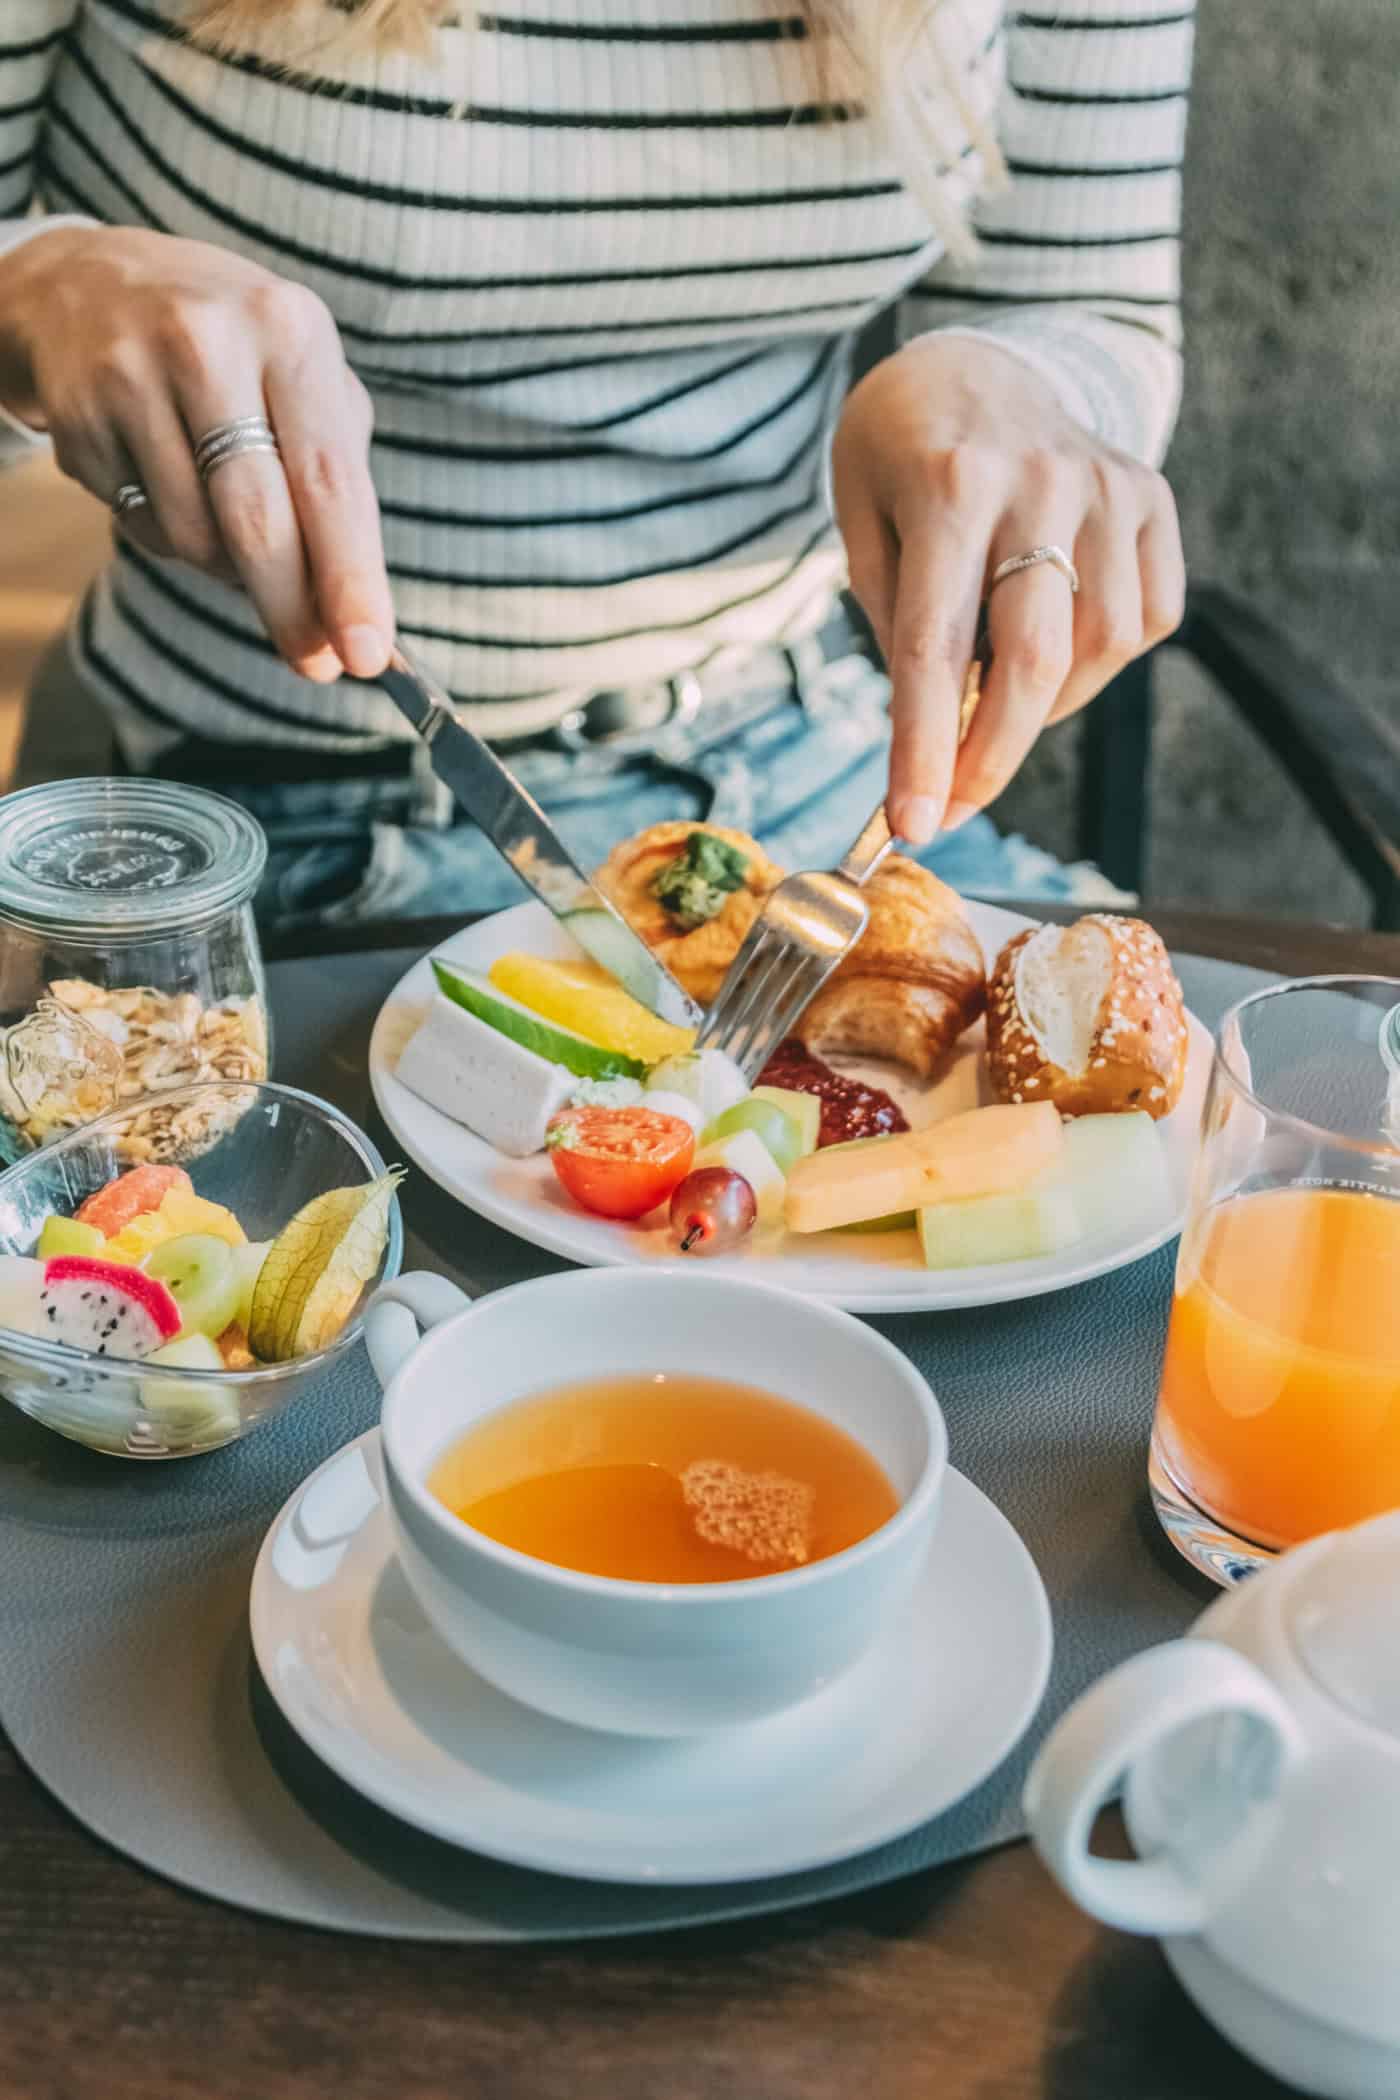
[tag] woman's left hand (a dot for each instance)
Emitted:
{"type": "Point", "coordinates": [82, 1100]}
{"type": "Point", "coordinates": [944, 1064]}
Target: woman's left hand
{"type": "Point", "coordinates": [950, 457]}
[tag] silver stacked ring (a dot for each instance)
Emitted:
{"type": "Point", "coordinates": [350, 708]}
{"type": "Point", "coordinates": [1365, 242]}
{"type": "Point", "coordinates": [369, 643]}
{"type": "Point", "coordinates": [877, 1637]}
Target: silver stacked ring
{"type": "Point", "coordinates": [228, 441]}
{"type": "Point", "coordinates": [130, 496]}
{"type": "Point", "coordinates": [1015, 563]}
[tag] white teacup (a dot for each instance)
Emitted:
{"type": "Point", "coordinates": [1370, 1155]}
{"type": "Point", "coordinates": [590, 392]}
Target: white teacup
{"type": "Point", "coordinates": [645, 1658]}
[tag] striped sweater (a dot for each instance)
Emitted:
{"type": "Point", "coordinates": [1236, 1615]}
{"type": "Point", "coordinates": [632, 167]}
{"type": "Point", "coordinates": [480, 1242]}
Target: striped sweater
{"type": "Point", "coordinates": [602, 264]}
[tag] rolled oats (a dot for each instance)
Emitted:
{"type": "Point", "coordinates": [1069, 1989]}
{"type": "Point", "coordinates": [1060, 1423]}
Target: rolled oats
{"type": "Point", "coordinates": [84, 1049]}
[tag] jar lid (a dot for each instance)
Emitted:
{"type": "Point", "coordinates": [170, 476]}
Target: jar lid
{"type": "Point", "coordinates": [92, 858]}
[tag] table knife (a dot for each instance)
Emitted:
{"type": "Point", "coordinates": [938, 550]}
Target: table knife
{"type": "Point", "coordinates": [523, 835]}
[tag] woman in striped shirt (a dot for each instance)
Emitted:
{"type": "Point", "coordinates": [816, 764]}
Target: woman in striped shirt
{"type": "Point", "coordinates": [552, 314]}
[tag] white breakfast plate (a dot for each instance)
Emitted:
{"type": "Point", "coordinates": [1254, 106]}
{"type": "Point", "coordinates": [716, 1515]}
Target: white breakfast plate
{"type": "Point", "coordinates": [925, 1716]}
{"type": "Point", "coordinates": [865, 1272]}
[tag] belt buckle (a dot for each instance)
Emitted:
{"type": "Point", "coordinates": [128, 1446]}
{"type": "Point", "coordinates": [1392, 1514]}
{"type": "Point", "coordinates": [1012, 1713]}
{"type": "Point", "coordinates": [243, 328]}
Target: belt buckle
{"type": "Point", "coordinates": [684, 697]}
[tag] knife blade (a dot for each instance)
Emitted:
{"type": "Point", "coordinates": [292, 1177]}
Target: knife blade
{"type": "Point", "coordinates": [523, 835]}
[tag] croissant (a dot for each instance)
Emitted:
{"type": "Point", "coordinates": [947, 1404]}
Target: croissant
{"type": "Point", "coordinates": [1088, 1016]}
{"type": "Point", "coordinates": [914, 982]}
{"type": "Point", "coordinates": [697, 957]}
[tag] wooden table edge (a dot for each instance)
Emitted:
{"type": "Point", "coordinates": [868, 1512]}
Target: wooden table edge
{"type": "Point", "coordinates": [1289, 948]}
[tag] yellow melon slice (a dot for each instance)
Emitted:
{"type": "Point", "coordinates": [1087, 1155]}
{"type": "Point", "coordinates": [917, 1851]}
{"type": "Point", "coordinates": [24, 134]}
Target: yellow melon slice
{"type": "Point", "coordinates": [582, 996]}
{"type": "Point", "coordinates": [981, 1153]}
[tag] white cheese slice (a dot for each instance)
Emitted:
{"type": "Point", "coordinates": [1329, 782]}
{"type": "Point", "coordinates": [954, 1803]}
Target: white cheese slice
{"type": "Point", "coordinates": [479, 1077]}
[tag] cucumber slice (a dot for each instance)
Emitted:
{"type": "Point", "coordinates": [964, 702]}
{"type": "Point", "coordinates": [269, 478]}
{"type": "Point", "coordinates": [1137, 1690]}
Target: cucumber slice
{"type": "Point", "coordinates": [611, 942]}
{"type": "Point", "coordinates": [804, 1109]}
{"type": "Point", "coordinates": [560, 1046]}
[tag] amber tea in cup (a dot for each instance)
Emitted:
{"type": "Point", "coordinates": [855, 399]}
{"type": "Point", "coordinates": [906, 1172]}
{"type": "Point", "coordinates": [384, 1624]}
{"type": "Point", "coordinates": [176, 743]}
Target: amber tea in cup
{"type": "Point", "coordinates": [666, 1478]}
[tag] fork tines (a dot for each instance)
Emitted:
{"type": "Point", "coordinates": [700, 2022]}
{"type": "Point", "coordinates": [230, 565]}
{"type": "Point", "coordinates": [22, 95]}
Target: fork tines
{"type": "Point", "coordinates": [776, 974]}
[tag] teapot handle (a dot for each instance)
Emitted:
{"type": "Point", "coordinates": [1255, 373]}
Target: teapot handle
{"type": "Point", "coordinates": [1105, 1733]}
{"type": "Point", "coordinates": [397, 1312]}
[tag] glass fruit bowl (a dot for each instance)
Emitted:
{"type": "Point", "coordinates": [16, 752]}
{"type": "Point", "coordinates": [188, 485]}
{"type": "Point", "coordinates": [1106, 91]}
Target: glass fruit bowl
{"type": "Point", "coordinates": [263, 1151]}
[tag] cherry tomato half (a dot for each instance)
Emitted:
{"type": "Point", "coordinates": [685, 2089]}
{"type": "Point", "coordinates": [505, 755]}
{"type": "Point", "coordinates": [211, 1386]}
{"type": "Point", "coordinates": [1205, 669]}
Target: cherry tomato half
{"type": "Point", "coordinates": [619, 1162]}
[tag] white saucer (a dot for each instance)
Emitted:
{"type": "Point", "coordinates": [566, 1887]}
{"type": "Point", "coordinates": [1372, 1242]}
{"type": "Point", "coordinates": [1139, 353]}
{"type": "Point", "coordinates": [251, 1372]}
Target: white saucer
{"type": "Point", "coordinates": [921, 1721]}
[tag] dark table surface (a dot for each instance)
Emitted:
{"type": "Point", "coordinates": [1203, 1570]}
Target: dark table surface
{"type": "Point", "coordinates": [973, 1982]}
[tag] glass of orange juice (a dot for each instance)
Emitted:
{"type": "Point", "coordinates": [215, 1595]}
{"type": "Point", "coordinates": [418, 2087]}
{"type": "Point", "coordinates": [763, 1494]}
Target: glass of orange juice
{"type": "Point", "coordinates": [1279, 1411]}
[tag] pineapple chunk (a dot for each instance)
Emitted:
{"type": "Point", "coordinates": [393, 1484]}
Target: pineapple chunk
{"type": "Point", "coordinates": [582, 996]}
{"type": "Point", "coordinates": [180, 1211]}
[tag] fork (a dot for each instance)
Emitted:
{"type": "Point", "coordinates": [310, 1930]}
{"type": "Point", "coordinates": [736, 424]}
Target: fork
{"type": "Point", "coordinates": [809, 924]}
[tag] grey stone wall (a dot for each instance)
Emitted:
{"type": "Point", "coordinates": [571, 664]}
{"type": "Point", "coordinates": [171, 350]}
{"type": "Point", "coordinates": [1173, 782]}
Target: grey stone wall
{"type": "Point", "coordinates": [1286, 462]}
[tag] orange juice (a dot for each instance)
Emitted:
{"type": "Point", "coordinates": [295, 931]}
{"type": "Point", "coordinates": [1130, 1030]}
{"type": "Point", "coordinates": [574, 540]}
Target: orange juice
{"type": "Point", "coordinates": [1280, 1405]}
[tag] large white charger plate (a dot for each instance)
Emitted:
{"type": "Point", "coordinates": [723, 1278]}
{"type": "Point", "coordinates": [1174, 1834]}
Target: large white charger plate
{"type": "Point", "coordinates": [926, 1715]}
{"type": "Point", "coordinates": [864, 1272]}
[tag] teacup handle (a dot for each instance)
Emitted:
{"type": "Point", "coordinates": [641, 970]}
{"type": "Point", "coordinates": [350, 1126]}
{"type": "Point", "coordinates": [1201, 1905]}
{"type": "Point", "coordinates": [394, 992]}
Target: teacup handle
{"type": "Point", "coordinates": [1101, 1737]}
{"type": "Point", "coordinates": [401, 1312]}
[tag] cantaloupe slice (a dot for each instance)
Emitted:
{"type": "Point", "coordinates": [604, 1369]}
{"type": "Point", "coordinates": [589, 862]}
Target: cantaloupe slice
{"type": "Point", "coordinates": [1111, 1177]}
{"type": "Point", "coordinates": [981, 1153]}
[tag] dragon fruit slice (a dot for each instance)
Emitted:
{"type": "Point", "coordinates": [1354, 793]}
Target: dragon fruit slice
{"type": "Point", "coordinates": [105, 1307]}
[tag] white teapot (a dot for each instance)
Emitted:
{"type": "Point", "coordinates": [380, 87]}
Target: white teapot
{"type": "Point", "coordinates": [1262, 1765]}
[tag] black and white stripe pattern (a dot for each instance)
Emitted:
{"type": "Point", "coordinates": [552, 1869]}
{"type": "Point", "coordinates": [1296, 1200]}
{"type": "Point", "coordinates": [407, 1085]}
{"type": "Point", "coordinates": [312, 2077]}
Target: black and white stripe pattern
{"type": "Point", "coordinates": [602, 264]}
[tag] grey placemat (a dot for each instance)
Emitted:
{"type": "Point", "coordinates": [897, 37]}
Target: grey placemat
{"type": "Point", "coordinates": [126, 1678]}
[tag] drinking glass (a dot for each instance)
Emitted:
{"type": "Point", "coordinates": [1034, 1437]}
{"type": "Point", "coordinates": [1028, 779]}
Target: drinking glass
{"type": "Point", "coordinates": [1278, 1416]}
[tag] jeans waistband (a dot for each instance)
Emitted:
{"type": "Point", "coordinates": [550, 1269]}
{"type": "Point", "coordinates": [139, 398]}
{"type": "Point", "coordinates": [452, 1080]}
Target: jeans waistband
{"type": "Point", "coordinates": [612, 724]}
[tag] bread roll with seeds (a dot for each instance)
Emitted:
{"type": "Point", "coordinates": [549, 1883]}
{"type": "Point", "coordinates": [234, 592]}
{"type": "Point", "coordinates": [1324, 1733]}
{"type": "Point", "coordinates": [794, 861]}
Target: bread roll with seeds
{"type": "Point", "coordinates": [1089, 1017]}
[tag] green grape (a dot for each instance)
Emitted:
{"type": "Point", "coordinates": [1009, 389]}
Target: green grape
{"type": "Point", "coordinates": [772, 1125]}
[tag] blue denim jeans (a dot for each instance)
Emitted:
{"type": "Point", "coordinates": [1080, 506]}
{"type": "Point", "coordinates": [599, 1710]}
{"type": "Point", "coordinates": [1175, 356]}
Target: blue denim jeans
{"type": "Point", "coordinates": [800, 767]}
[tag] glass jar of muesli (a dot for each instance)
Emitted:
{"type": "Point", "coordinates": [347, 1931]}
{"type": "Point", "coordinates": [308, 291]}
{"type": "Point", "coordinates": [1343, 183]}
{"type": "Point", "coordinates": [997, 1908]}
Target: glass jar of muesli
{"type": "Point", "coordinates": [129, 961]}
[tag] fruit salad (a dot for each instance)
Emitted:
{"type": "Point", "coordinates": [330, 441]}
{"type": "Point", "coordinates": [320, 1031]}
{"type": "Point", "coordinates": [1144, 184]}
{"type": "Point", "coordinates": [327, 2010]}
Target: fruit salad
{"type": "Point", "coordinates": [146, 1268]}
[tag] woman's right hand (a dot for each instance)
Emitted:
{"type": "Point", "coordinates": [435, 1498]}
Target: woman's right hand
{"type": "Point", "coordinates": [128, 346]}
